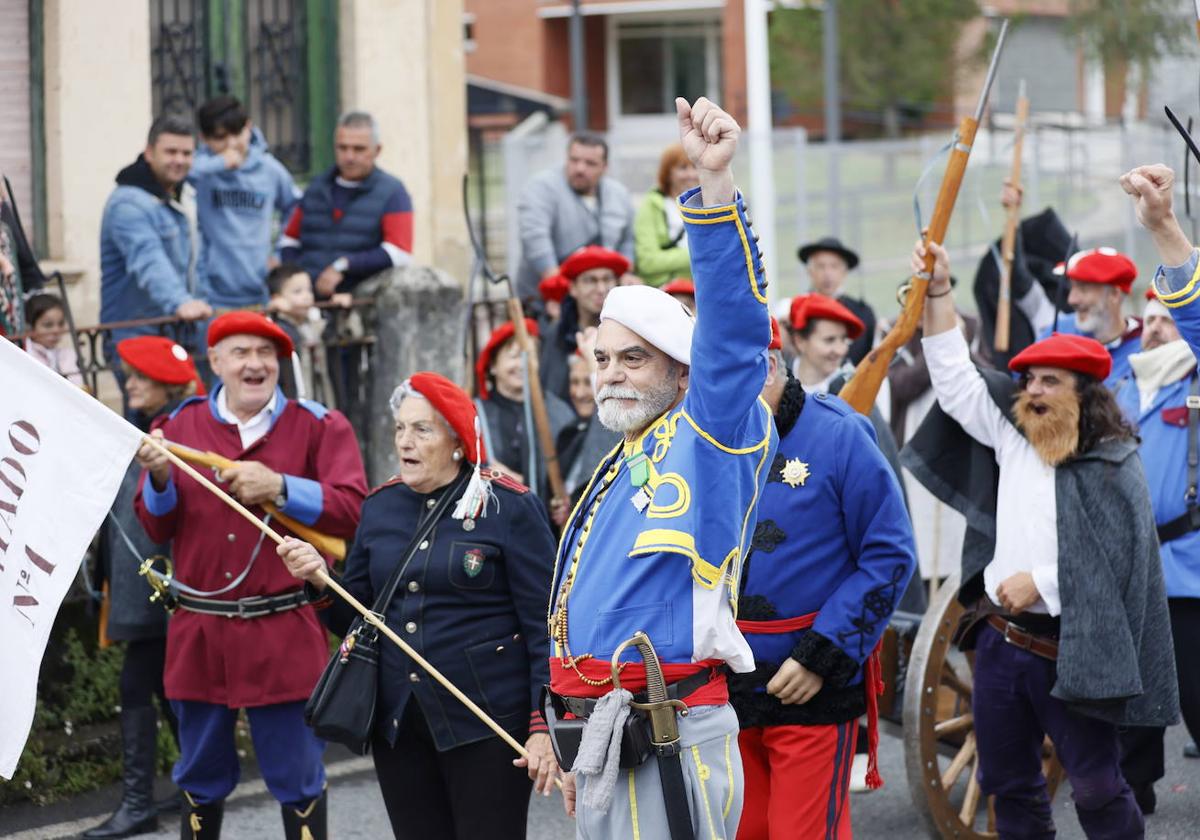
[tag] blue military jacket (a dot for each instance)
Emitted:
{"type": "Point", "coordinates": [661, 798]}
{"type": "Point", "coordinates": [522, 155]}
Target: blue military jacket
{"type": "Point", "coordinates": [833, 538]}
{"type": "Point", "coordinates": [472, 602]}
{"type": "Point", "coordinates": [1163, 429]}
{"type": "Point", "coordinates": [671, 567]}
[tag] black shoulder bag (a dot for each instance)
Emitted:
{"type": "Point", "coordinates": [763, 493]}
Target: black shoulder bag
{"type": "Point", "coordinates": [342, 706]}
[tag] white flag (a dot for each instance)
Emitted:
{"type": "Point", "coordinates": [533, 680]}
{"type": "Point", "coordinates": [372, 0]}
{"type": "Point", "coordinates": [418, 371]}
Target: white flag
{"type": "Point", "coordinates": [62, 457]}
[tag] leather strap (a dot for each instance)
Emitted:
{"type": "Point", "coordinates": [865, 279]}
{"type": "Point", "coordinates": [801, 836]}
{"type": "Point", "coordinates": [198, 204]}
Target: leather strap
{"type": "Point", "coordinates": [582, 707]}
{"type": "Point", "coordinates": [1014, 635]}
{"type": "Point", "coordinates": [255, 606]}
{"type": "Point", "coordinates": [1189, 520]}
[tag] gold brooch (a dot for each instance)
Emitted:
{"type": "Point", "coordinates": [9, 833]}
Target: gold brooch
{"type": "Point", "coordinates": [794, 473]}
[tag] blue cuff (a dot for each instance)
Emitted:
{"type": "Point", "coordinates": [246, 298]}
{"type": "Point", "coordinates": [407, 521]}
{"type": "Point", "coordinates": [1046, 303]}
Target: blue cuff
{"type": "Point", "coordinates": [159, 502]}
{"type": "Point", "coordinates": [305, 499]}
{"type": "Point", "coordinates": [1171, 279]}
{"type": "Point", "coordinates": [691, 200]}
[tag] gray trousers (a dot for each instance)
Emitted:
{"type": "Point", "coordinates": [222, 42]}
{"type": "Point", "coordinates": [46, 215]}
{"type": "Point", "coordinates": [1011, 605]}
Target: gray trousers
{"type": "Point", "coordinates": [712, 771]}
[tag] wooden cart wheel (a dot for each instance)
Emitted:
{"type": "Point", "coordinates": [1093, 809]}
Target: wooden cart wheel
{"type": "Point", "coordinates": [939, 737]}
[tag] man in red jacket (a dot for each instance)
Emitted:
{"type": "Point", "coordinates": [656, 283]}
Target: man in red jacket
{"type": "Point", "coordinates": [244, 636]}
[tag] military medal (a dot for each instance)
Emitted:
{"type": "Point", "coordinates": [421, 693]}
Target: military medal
{"type": "Point", "coordinates": [468, 524]}
{"type": "Point", "coordinates": [641, 499]}
{"type": "Point", "coordinates": [794, 473]}
{"type": "Point", "coordinates": [639, 469]}
{"type": "Point", "coordinates": [472, 562]}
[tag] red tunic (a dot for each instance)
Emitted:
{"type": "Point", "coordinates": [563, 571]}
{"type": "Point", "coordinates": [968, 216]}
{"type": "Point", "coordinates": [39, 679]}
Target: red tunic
{"type": "Point", "coordinates": [277, 658]}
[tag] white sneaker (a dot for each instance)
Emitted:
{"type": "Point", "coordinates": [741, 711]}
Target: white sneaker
{"type": "Point", "coordinates": [858, 774]}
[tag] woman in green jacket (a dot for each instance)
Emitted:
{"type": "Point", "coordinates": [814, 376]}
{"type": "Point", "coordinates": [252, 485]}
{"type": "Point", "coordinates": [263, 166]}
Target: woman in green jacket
{"type": "Point", "coordinates": [659, 241]}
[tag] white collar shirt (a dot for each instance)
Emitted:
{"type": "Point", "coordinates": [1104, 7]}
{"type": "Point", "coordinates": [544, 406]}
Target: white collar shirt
{"type": "Point", "coordinates": [254, 428]}
{"type": "Point", "coordinates": [1026, 507]}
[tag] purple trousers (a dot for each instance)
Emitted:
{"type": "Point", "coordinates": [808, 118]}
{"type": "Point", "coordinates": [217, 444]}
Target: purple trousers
{"type": "Point", "coordinates": [1013, 712]}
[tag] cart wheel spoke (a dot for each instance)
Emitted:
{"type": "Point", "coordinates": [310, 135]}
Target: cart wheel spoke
{"type": "Point", "coordinates": [971, 800]}
{"type": "Point", "coordinates": [959, 763]}
{"type": "Point", "coordinates": [954, 725]}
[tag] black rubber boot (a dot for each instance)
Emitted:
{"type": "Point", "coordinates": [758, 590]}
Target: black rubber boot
{"type": "Point", "coordinates": [306, 823]}
{"type": "Point", "coordinates": [201, 822]}
{"type": "Point", "coordinates": [136, 814]}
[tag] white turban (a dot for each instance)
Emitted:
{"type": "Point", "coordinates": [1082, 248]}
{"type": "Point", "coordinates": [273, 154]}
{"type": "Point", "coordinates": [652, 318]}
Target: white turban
{"type": "Point", "coordinates": [655, 316]}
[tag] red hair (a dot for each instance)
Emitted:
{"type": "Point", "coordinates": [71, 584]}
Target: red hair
{"type": "Point", "coordinates": [672, 156]}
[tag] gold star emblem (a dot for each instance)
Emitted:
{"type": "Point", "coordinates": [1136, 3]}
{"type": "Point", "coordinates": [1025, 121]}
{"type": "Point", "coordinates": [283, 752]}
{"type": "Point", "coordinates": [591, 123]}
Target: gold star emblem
{"type": "Point", "coordinates": [794, 473]}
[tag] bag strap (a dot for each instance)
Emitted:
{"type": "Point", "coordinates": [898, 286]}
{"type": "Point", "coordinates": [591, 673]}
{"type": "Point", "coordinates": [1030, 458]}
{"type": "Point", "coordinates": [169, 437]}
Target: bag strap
{"type": "Point", "coordinates": [1190, 520]}
{"type": "Point", "coordinates": [424, 527]}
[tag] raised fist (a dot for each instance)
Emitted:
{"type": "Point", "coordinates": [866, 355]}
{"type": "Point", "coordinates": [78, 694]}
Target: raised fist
{"type": "Point", "coordinates": [708, 134]}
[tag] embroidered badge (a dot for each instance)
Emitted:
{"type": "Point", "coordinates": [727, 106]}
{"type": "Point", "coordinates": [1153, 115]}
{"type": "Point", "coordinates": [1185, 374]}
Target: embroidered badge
{"type": "Point", "coordinates": [641, 499]}
{"type": "Point", "coordinates": [473, 562]}
{"type": "Point", "coordinates": [794, 473]}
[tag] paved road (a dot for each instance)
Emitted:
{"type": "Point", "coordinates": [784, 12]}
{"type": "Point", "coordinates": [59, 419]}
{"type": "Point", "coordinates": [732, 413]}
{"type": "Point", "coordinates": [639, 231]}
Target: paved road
{"type": "Point", "coordinates": [356, 809]}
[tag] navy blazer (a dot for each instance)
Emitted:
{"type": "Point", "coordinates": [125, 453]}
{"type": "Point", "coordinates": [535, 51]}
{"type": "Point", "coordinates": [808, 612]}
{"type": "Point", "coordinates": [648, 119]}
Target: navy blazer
{"type": "Point", "coordinates": [472, 602]}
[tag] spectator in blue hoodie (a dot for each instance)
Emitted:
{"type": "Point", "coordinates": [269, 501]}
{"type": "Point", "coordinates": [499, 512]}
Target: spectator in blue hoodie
{"type": "Point", "coordinates": [242, 193]}
{"type": "Point", "coordinates": [150, 259]}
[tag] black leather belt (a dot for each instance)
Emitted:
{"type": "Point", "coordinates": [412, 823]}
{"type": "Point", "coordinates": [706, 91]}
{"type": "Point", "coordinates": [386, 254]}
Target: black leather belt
{"type": "Point", "coordinates": [582, 707]}
{"type": "Point", "coordinates": [255, 606]}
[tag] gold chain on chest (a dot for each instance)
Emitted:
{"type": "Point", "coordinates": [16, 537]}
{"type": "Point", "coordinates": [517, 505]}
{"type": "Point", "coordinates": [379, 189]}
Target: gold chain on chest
{"type": "Point", "coordinates": [559, 621]}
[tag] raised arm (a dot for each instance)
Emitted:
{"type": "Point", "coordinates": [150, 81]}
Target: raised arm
{"type": "Point", "coordinates": [733, 328]}
{"type": "Point", "coordinates": [1177, 281]}
{"type": "Point", "coordinates": [960, 389]}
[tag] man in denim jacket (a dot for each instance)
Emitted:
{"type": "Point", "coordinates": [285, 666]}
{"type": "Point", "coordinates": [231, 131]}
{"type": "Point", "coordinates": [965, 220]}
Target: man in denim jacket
{"type": "Point", "coordinates": [149, 242]}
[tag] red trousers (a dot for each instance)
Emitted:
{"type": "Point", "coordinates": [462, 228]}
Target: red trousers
{"type": "Point", "coordinates": [797, 780]}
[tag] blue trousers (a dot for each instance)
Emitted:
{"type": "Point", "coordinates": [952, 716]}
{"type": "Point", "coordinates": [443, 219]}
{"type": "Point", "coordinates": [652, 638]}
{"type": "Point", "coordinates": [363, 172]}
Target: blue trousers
{"type": "Point", "coordinates": [1013, 712]}
{"type": "Point", "coordinates": [289, 755]}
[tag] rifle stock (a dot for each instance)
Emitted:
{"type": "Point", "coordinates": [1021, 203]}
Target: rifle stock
{"type": "Point", "coordinates": [1008, 242]}
{"type": "Point", "coordinates": [864, 385]}
{"type": "Point", "coordinates": [537, 399]}
{"type": "Point", "coordinates": [326, 544]}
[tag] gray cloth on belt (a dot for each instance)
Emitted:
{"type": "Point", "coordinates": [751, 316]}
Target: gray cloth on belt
{"type": "Point", "coordinates": [600, 749]}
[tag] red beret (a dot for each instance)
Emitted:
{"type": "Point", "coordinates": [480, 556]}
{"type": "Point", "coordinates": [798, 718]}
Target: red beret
{"type": "Point", "coordinates": [1150, 295]}
{"type": "Point", "coordinates": [249, 323]}
{"type": "Point", "coordinates": [776, 336]}
{"type": "Point", "coordinates": [495, 341]}
{"type": "Point", "coordinates": [160, 359]}
{"type": "Point", "coordinates": [813, 306]}
{"type": "Point", "coordinates": [455, 406]}
{"type": "Point", "coordinates": [680, 286]}
{"type": "Point", "coordinates": [554, 288]}
{"type": "Point", "coordinates": [593, 256]}
{"type": "Point", "coordinates": [1103, 265]}
{"type": "Point", "coordinates": [1072, 352]}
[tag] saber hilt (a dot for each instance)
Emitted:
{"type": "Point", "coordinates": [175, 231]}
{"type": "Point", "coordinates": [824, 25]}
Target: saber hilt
{"type": "Point", "coordinates": [659, 707]}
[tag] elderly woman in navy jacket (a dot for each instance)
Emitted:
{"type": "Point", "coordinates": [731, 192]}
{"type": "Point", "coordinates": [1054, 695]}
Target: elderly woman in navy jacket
{"type": "Point", "coordinates": [473, 602]}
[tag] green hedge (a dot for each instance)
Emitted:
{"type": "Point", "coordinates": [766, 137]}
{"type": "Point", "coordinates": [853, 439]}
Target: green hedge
{"type": "Point", "coordinates": [75, 743]}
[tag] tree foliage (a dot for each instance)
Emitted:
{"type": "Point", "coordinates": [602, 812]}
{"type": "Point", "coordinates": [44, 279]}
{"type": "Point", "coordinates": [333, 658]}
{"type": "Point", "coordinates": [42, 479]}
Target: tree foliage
{"type": "Point", "coordinates": [1122, 34]}
{"type": "Point", "coordinates": [897, 57]}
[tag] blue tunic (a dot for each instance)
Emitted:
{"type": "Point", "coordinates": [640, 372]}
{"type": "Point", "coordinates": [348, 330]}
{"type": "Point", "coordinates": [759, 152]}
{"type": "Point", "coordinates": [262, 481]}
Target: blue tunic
{"type": "Point", "coordinates": [672, 568]}
{"type": "Point", "coordinates": [833, 538]}
{"type": "Point", "coordinates": [1163, 430]}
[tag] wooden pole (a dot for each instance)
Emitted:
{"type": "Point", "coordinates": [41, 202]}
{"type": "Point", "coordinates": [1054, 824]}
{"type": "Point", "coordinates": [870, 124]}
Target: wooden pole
{"type": "Point", "coordinates": [370, 617]}
{"type": "Point", "coordinates": [558, 490]}
{"type": "Point", "coordinates": [1008, 242]}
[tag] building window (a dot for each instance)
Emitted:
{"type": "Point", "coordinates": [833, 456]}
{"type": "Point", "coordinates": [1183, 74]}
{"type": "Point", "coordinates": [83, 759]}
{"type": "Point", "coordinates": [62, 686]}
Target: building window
{"type": "Point", "coordinates": [658, 61]}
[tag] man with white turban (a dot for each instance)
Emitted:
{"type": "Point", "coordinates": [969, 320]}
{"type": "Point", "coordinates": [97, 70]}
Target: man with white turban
{"type": "Point", "coordinates": [657, 541]}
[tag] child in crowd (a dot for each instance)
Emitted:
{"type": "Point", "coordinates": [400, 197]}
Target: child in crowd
{"type": "Point", "coordinates": [291, 307]}
{"type": "Point", "coordinates": [47, 321]}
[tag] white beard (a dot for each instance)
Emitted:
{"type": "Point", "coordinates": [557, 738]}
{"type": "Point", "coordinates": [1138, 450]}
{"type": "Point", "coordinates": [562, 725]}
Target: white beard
{"type": "Point", "coordinates": [649, 405]}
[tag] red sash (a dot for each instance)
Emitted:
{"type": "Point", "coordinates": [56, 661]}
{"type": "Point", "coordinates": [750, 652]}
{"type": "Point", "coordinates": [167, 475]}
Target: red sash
{"type": "Point", "coordinates": [566, 681]}
{"type": "Point", "coordinates": [872, 679]}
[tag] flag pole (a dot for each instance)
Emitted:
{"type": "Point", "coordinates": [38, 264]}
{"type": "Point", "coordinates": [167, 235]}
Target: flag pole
{"type": "Point", "coordinates": [370, 617]}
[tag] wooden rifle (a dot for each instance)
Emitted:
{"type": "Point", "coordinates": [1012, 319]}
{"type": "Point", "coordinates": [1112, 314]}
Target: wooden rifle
{"type": "Point", "coordinates": [533, 387]}
{"type": "Point", "coordinates": [864, 385]}
{"type": "Point", "coordinates": [1008, 243]}
{"type": "Point", "coordinates": [324, 543]}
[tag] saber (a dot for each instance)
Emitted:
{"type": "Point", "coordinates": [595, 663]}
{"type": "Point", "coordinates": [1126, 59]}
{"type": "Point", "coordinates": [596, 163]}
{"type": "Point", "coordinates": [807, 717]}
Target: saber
{"type": "Point", "coordinates": [664, 732]}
